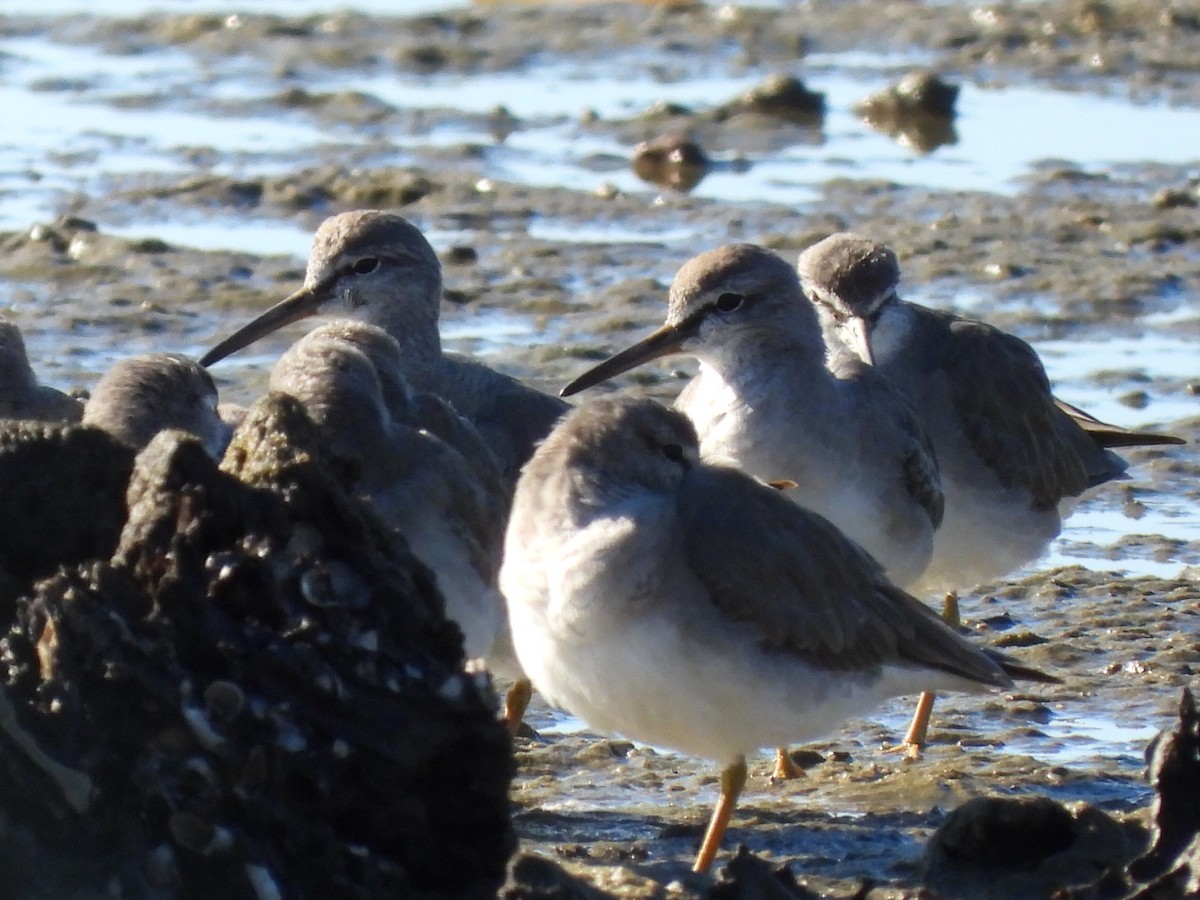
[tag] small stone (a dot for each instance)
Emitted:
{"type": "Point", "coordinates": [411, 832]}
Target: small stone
{"type": "Point", "coordinates": [673, 161]}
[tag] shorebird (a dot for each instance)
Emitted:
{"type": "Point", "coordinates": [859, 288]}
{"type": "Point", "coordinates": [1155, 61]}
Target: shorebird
{"type": "Point", "coordinates": [686, 605]}
{"type": "Point", "coordinates": [21, 397]}
{"type": "Point", "coordinates": [378, 268]}
{"type": "Point", "coordinates": [771, 399]}
{"type": "Point", "coordinates": [415, 482]}
{"type": "Point", "coordinates": [1013, 458]}
{"type": "Point", "coordinates": [142, 395]}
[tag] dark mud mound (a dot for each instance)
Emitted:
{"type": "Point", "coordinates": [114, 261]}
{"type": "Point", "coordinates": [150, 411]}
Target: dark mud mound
{"type": "Point", "coordinates": [258, 696]}
{"type": "Point", "coordinates": [993, 847]}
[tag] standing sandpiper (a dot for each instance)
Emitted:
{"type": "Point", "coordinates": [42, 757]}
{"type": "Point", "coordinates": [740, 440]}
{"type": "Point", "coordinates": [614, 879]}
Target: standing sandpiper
{"type": "Point", "coordinates": [686, 605]}
{"type": "Point", "coordinates": [377, 267]}
{"type": "Point", "coordinates": [1013, 458]}
{"type": "Point", "coordinates": [769, 398]}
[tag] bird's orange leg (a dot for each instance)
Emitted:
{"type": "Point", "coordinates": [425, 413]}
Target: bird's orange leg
{"type": "Point", "coordinates": [785, 769]}
{"type": "Point", "coordinates": [516, 701]}
{"type": "Point", "coordinates": [918, 729]}
{"type": "Point", "coordinates": [733, 779]}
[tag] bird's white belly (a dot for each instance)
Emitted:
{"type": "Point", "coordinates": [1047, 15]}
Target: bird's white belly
{"type": "Point", "coordinates": [668, 668]}
{"type": "Point", "coordinates": [987, 532]}
{"type": "Point", "coordinates": [475, 606]}
{"type": "Point", "coordinates": [713, 698]}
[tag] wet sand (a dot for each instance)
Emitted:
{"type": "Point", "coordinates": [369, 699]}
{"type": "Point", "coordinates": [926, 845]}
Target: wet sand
{"type": "Point", "coordinates": [543, 279]}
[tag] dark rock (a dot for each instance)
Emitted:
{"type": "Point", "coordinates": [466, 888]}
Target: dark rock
{"type": "Point", "coordinates": [994, 847]}
{"type": "Point", "coordinates": [1170, 868]}
{"type": "Point", "coordinates": [780, 96]}
{"type": "Point", "coordinates": [749, 877]}
{"type": "Point", "coordinates": [536, 878]}
{"type": "Point", "coordinates": [1174, 772]}
{"type": "Point", "coordinates": [183, 721]}
{"type": "Point", "coordinates": [672, 161]}
{"type": "Point", "coordinates": [63, 501]}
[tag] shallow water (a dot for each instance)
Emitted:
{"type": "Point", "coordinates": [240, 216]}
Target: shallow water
{"type": "Point", "coordinates": [74, 125]}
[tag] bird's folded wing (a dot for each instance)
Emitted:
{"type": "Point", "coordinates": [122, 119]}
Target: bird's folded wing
{"type": "Point", "coordinates": [1108, 435]}
{"type": "Point", "coordinates": [792, 577]}
{"type": "Point", "coordinates": [1002, 396]}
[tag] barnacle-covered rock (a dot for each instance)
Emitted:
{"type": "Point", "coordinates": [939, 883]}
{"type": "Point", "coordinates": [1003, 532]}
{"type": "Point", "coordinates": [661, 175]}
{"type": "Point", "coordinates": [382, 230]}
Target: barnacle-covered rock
{"type": "Point", "coordinates": [62, 500]}
{"type": "Point", "coordinates": [183, 720]}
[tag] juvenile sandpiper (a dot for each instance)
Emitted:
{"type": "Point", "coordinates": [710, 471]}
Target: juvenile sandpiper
{"type": "Point", "coordinates": [141, 395]}
{"type": "Point", "coordinates": [415, 482]}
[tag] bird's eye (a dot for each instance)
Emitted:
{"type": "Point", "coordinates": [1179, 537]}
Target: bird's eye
{"type": "Point", "coordinates": [728, 302]}
{"type": "Point", "coordinates": [365, 266]}
{"type": "Point", "coordinates": [673, 452]}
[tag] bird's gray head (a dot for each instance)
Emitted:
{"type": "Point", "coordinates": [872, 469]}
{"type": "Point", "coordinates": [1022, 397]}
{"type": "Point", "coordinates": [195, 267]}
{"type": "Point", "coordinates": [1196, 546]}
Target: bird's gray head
{"type": "Point", "coordinates": [734, 290]}
{"type": "Point", "coordinates": [849, 274]}
{"type": "Point", "coordinates": [612, 447]}
{"type": "Point", "coordinates": [369, 265]}
{"type": "Point", "coordinates": [143, 395]}
{"type": "Point", "coordinates": [731, 284]}
{"type": "Point", "coordinates": [339, 388]}
{"type": "Point", "coordinates": [385, 356]}
{"type": "Point", "coordinates": [377, 266]}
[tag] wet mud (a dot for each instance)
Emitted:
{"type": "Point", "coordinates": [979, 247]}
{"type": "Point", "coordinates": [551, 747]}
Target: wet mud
{"type": "Point", "coordinates": [542, 279]}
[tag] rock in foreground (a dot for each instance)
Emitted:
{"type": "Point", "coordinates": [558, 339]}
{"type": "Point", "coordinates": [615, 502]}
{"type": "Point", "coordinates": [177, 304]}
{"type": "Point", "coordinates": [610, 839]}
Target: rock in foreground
{"type": "Point", "coordinates": [258, 696]}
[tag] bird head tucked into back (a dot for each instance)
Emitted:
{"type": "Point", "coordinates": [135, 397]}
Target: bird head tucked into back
{"type": "Point", "coordinates": [143, 395]}
{"type": "Point", "coordinates": [340, 389]}
{"type": "Point", "coordinates": [850, 279]}
{"type": "Point", "coordinates": [369, 265]}
{"type": "Point", "coordinates": [616, 448]}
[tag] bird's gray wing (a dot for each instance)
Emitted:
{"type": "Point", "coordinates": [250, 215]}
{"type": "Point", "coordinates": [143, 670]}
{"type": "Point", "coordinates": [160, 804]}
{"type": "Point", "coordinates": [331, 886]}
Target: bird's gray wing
{"type": "Point", "coordinates": [1107, 435]}
{"type": "Point", "coordinates": [898, 425]}
{"type": "Point", "coordinates": [510, 416]}
{"type": "Point", "coordinates": [792, 577]}
{"type": "Point", "coordinates": [1003, 402]}
{"type": "Point", "coordinates": [922, 480]}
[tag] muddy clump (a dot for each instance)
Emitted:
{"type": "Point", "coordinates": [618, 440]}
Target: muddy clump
{"type": "Point", "coordinates": [257, 695]}
{"type": "Point", "coordinates": [918, 111]}
{"type": "Point", "coordinates": [672, 161]}
{"type": "Point", "coordinates": [780, 96]}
